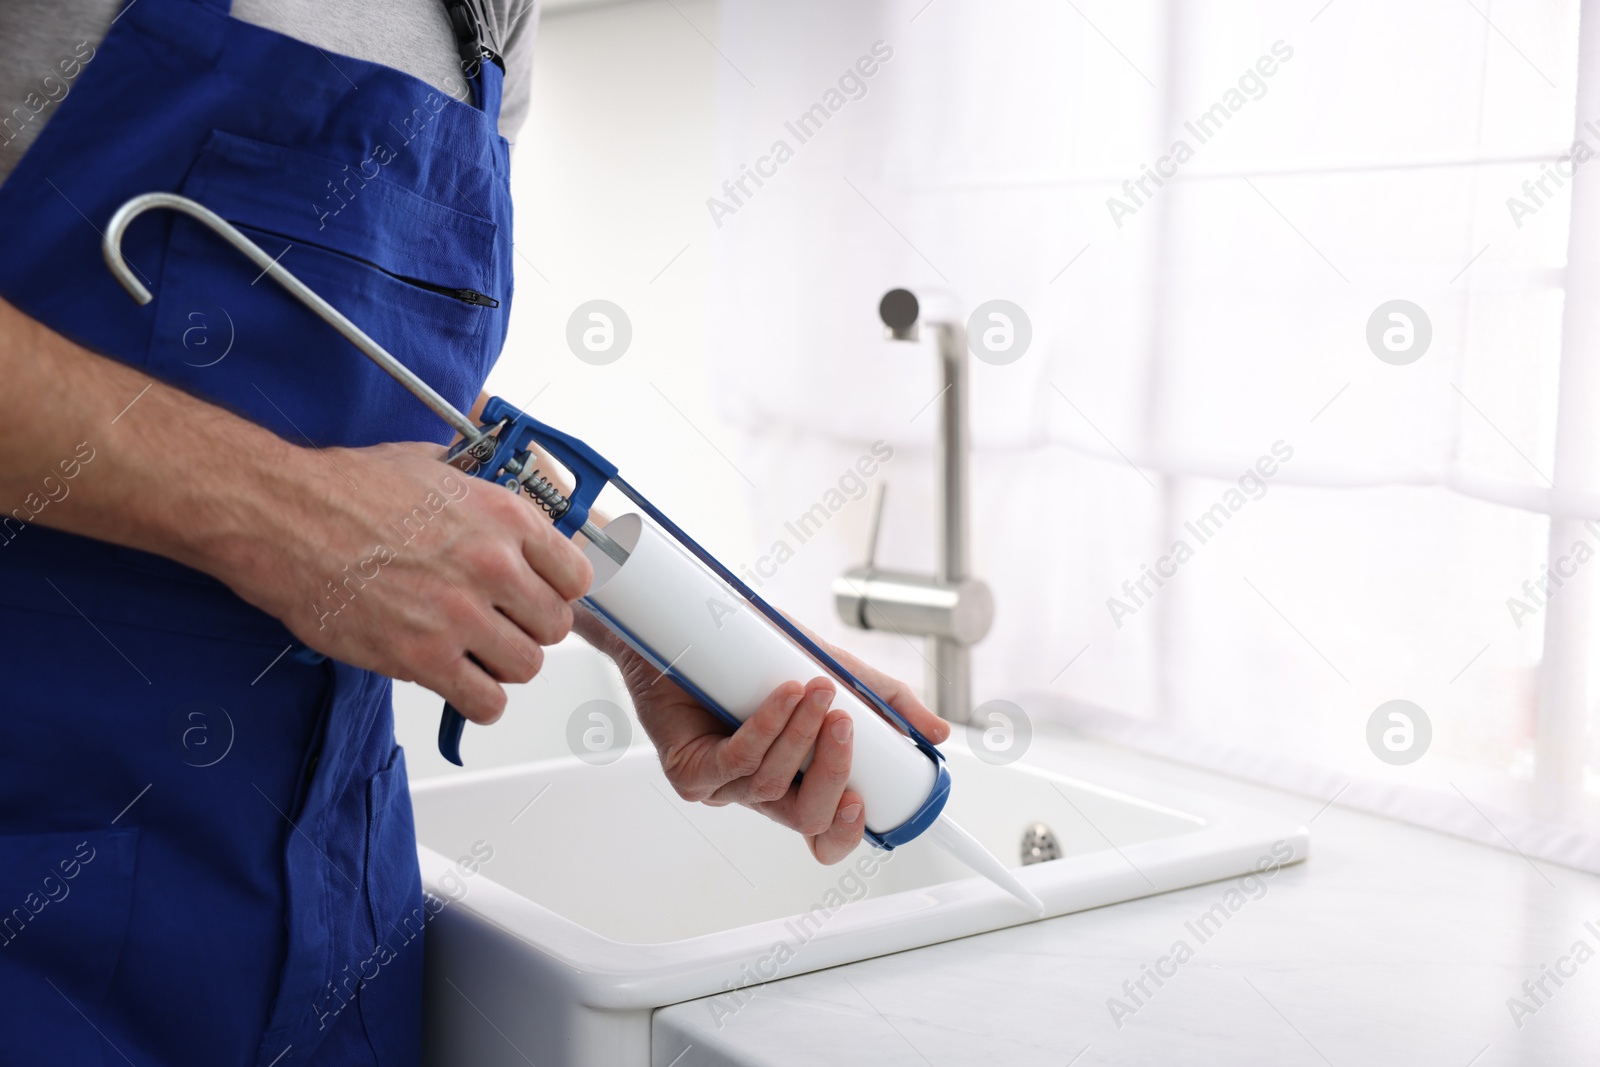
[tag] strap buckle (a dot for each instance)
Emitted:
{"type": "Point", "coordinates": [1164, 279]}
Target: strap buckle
{"type": "Point", "coordinates": [468, 28]}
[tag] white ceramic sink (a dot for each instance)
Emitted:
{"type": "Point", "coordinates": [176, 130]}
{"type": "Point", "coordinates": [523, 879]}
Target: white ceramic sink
{"type": "Point", "coordinates": [607, 897]}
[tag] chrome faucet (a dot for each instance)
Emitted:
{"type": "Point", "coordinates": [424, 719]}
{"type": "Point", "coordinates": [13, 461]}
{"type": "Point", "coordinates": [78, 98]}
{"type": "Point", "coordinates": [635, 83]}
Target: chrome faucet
{"type": "Point", "coordinates": [953, 610]}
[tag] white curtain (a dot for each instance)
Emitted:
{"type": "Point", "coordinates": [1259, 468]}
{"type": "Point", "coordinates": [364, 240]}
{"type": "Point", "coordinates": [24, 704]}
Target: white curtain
{"type": "Point", "coordinates": [1335, 157]}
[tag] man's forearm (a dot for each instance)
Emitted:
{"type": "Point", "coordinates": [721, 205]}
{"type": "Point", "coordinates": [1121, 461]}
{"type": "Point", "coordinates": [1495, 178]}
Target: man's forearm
{"type": "Point", "coordinates": [93, 446]}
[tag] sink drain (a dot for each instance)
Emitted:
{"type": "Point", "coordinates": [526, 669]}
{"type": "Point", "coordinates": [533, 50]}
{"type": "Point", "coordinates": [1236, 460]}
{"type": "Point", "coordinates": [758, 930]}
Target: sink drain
{"type": "Point", "coordinates": [1039, 845]}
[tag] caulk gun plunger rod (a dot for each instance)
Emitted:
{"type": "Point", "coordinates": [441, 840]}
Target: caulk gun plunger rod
{"type": "Point", "coordinates": [601, 540]}
{"type": "Point", "coordinates": [111, 248]}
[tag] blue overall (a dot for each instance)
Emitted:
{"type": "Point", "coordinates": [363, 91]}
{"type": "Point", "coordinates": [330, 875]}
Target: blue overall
{"type": "Point", "coordinates": [206, 846]}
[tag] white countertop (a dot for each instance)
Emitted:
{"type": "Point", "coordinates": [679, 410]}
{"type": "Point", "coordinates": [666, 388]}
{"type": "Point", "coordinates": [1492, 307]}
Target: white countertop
{"type": "Point", "coordinates": [1390, 945]}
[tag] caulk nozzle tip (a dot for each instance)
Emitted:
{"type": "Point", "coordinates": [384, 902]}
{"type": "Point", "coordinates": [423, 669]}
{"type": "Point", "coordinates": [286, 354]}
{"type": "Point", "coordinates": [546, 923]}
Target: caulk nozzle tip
{"type": "Point", "coordinates": [949, 834]}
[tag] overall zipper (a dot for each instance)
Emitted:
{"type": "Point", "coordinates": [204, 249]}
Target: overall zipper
{"type": "Point", "coordinates": [466, 296]}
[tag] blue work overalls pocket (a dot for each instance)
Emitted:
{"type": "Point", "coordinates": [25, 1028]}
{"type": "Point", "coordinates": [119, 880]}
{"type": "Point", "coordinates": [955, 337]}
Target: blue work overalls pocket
{"type": "Point", "coordinates": [391, 1006]}
{"type": "Point", "coordinates": [375, 933]}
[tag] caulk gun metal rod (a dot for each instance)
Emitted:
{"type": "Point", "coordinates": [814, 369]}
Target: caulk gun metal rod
{"type": "Point", "coordinates": [111, 247]}
{"type": "Point", "coordinates": [601, 540]}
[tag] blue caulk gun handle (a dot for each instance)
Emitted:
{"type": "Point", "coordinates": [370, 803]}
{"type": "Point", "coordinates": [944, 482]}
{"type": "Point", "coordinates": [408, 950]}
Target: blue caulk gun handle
{"type": "Point", "coordinates": [451, 725]}
{"type": "Point", "coordinates": [513, 440]}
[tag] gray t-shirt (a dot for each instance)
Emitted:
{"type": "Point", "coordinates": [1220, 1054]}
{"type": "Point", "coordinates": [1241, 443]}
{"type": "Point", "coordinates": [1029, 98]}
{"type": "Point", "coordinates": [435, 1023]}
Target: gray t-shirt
{"type": "Point", "coordinates": [44, 43]}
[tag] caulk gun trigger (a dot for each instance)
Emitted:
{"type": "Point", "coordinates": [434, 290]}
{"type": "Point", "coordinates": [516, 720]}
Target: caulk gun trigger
{"type": "Point", "coordinates": [451, 725]}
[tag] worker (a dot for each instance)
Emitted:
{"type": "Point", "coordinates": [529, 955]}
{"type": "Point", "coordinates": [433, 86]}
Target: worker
{"type": "Point", "coordinates": [223, 530]}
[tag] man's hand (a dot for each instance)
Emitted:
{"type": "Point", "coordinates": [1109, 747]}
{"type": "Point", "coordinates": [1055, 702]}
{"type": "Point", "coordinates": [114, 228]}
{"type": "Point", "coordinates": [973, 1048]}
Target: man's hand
{"type": "Point", "coordinates": [755, 765]}
{"type": "Point", "coordinates": [404, 565]}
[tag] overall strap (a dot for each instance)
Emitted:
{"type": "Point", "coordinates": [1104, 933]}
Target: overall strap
{"type": "Point", "coordinates": [476, 55]}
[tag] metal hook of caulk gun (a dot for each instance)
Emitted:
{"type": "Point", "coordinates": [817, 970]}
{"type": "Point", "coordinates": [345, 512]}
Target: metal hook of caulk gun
{"type": "Point", "coordinates": [902, 772]}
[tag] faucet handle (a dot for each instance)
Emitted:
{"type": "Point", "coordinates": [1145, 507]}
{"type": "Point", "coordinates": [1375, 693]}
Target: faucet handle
{"type": "Point", "coordinates": [874, 524]}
